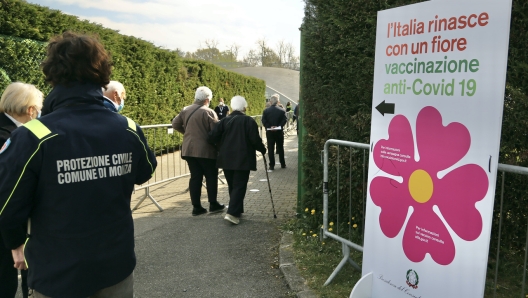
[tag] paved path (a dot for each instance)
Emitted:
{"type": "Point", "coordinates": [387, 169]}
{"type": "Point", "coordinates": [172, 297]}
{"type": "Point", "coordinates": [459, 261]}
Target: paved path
{"type": "Point", "coordinates": [282, 79]}
{"type": "Point", "coordinates": [206, 256]}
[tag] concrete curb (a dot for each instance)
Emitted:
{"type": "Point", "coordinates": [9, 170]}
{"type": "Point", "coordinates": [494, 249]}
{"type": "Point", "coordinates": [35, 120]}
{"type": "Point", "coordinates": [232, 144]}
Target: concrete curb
{"type": "Point", "coordinates": [287, 265]}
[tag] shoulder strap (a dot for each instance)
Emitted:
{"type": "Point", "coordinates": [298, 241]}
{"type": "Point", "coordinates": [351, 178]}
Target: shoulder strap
{"type": "Point", "coordinates": [131, 124]}
{"type": "Point", "coordinates": [187, 121]}
{"type": "Point", "coordinates": [37, 128]}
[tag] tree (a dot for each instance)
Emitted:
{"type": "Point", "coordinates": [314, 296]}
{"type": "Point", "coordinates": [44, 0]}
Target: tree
{"type": "Point", "coordinates": [262, 56]}
{"type": "Point", "coordinates": [267, 56]}
{"type": "Point", "coordinates": [234, 49]}
{"type": "Point", "coordinates": [209, 54]}
{"type": "Point", "coordinates": [211, 43]}
{"type": "Point", "coordinates": [291, 61]}
{"type": "Point", "coordinates": [252, 58]}
{"type": "Point", "coordinates": [282, 51]}
{"type": "Point", "coordinates": [180, 52]}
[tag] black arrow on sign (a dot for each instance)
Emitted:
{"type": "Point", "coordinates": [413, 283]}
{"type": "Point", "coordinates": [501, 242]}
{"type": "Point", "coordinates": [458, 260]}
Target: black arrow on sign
{"type": "Point", "coordinates": [385, 108]}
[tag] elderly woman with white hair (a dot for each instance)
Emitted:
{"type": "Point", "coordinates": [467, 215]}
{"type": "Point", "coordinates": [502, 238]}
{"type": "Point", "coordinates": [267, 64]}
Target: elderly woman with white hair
{"type": "Point", "coordinates": [238, 139]}
{"type": "Point", "coordinates": [20, 103]}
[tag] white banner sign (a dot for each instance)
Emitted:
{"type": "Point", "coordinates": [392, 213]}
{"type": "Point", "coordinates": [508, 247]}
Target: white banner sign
{"type": "Point", "coordinates": [438, 96]}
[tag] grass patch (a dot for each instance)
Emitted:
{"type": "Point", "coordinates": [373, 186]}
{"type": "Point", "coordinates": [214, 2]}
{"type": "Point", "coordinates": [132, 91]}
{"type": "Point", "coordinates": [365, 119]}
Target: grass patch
{"type": "Point", "coordinates": [316, 260]}
{"type": "Point", "coordinates": [509, 278]}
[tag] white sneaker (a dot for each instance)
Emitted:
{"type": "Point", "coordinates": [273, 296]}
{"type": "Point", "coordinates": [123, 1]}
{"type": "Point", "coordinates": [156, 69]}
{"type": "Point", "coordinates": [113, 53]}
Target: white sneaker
{"type": "Point", "coordinates": [233, 219]}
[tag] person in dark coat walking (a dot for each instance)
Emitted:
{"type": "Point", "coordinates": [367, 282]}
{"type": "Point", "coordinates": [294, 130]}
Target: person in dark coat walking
{"type": "Point", "coordinates": [238, 139]}
{"type": "Point", "coordinates": [20, 103]}
{"type": "Point", "coordinates": [274, 119]}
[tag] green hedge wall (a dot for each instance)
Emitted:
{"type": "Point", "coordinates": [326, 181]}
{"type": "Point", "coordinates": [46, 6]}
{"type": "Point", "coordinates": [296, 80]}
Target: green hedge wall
{"type": "Point", "coordinates": [158, 82]}
{"type": "Point", "coordinates": [4, 79]}
{"type": "Point", "coordinates": [226, 84]}
{"type": "Point", "coordinates": [338, 70]}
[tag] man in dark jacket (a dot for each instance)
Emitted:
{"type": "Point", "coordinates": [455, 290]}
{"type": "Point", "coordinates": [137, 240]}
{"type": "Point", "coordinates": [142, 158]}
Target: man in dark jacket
{"type": "Point", "coordinates": [238, 139]}
{"type": "Point", "coordinates": [274, 119]}
{"type": "Point", "coordinates": [72, 172]}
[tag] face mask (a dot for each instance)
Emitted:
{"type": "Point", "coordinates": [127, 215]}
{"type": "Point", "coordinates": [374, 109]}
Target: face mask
{"type": "Point", "coordinates": [221, 104]}
{"type": "Point", "coordinates": [38, 115]}
{"type": "Point", "coordinates": [121, 106]}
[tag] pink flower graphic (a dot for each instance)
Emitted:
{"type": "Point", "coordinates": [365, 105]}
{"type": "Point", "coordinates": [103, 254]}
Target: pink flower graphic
{"type": "Point", "coordinates": [439, 147]}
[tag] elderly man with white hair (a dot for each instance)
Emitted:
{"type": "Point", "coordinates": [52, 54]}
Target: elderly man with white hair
{"type": "Point", "coordinates": [195, 122]}
{"type": "Point", "coordinates": [274, 119]}
{"type": "Point", "coordinates": [238, 139]}
{"type": "Point", "coordinates": [114, 96]}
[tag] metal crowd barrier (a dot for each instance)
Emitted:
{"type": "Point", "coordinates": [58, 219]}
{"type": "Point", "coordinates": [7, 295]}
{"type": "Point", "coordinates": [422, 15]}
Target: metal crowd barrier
{"type": "Point", "coordinates": [361, 153]}
{"type": "Point", "coordinates": [346, 244]}
{"type": "Point", "coordinates": [164, 141]}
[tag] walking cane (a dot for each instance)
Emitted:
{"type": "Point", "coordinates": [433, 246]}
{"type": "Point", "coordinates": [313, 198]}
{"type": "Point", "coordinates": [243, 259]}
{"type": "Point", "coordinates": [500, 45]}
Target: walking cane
{"type": "Point", "coordinates": [269, 186]}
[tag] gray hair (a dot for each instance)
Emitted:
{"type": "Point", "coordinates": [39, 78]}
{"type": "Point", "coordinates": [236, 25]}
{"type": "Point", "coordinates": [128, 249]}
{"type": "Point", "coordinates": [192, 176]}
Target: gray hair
{"type": "Point", "coordinates": [18, 97]}
{"type": "Point", "coordinates": [274, 99]}
{"type": "Point", "coordinates": [115, 86]}
{"type": "Point", "coordinates": [202, 94]}
{"type": "Point", "coordinates": [238, 103]}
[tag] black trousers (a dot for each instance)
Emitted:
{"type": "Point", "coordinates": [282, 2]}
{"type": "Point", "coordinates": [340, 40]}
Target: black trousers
{"type": "Point", "coordinates": [199, 168]}
{"type": "Point", "coordinates": [237, 184]}
{"type": "Point", "coordinates": [9, 274]}
{"type": "Point", "coordinates": [275, 137]}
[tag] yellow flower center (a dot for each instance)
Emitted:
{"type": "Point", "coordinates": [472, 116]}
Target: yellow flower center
{"type": "Point", "coordinates": [421, 186]}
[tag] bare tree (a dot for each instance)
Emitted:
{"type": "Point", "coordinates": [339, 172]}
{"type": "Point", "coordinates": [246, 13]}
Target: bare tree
{"type": "Point", "coordinates": [268, 57]}
{"type": "Point", "coordinates": [209, 53]}
{"type": "Point", "coordinates": [284, 56]}
{"type": "Point", "coordinates": [292, 61]}
{"type": "Point", "coordinates": [262, 43]}
{"type": "Point", "coordinates": [234, 49]}
{"type": "Point", "coordinates": [211, 44]}
{"type": "Point", "coordinates": [282, 52]}
{"type": "Point", "coordinates": [252, 58]}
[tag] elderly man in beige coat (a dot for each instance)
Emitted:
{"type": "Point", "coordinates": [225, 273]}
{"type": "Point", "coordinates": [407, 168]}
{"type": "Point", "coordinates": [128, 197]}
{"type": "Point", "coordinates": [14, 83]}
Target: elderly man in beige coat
{"type": "Point", "coordinates": [195, 122]}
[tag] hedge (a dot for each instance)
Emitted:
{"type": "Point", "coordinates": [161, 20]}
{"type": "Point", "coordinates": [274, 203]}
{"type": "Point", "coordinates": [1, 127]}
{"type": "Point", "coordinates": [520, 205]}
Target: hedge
{"type": "Point", "coordinates": [338, 70]}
